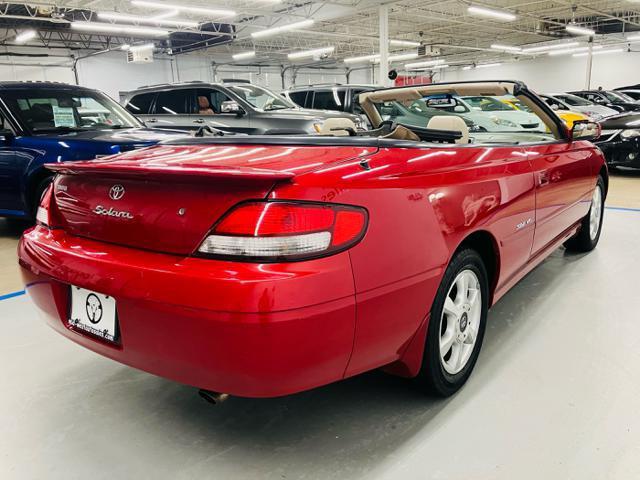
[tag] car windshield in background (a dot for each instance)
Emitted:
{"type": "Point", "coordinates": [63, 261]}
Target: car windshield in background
{"type": "Point", "coordinates": [481, 114]}
{"type": "Point", "coordinates": [617, 97]}
{"type": "Point", "coordinates": [574, 100]}
{"type": "Point", "coordinates": [487, 104]}
{"type": "Point", "coordinates": [261, 98]}
{"type": "Point", "coordinates": [47, 111]}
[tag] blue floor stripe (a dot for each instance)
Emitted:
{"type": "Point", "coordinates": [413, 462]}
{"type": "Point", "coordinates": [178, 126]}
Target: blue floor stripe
{"type": "Point", "coordinates": [12, 294]}
{"type": "Point", "coordinates": [624, 209]}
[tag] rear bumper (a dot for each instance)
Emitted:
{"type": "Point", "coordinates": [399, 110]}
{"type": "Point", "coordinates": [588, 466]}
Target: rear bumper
{"type": "Point", "coordinates": [245, 329]}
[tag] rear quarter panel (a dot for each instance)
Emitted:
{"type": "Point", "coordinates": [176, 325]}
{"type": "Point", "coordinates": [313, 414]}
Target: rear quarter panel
{"type": "Point", "coordinates": [422, 203]}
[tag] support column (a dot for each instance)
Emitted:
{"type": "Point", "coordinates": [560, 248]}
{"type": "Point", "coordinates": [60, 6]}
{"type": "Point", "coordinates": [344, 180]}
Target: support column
{"type": "Point", "coordinates": [587, 82]}
{"type": "Point", "coordinates": [383, 13]}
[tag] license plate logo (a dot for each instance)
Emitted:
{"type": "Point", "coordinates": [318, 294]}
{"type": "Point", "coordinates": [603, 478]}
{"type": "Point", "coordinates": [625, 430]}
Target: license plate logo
{"type": "Point", "coordinates": [94, 313]}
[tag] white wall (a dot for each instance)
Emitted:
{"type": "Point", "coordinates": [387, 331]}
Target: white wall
{"type": "Point", "coordinates": [559, 73]}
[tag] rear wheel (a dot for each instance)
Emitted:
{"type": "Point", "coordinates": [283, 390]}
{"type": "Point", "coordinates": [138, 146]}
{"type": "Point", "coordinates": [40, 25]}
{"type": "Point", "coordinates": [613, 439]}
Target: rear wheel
{"type": "Point", "coordinates": [589, 234]}
{"type": "Point", "coordinates": [457, 325]}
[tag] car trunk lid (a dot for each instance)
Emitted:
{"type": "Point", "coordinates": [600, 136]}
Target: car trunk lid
{"type": "Point", "coordinates": [167, 198]}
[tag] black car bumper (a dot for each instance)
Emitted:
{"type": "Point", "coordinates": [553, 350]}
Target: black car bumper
{"type": "Point", "coordinates": [621, 152]}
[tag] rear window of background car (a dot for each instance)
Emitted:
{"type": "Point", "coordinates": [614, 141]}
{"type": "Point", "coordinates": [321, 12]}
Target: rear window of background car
{"type": "Point", "coordinates": [298, 97]}
{"type": "Point", "coordinates": [329, 100]}
{"type": "Point", "coordinates": [140, 104]}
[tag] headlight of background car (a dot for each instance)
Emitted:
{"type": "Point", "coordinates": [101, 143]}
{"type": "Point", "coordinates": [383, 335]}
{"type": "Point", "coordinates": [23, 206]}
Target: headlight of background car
{"type": "Point", "coordinates": [631, 133]}
{"type": "Point", "coordinates": [594, 116]}
{"type": "Point", "coordinates": [503, 122]}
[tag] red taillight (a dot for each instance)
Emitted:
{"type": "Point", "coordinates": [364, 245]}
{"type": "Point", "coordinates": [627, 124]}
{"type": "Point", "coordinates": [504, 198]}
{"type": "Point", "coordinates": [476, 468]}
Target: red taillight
{"type": "Point", "coordinates": [284, 231]}
{"type": "Point", "coordinates": [43, 214]}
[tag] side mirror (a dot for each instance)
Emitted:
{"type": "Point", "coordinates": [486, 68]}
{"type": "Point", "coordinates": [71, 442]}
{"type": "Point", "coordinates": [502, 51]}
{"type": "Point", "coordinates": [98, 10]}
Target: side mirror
{"type": "Point", "coordinates": [231, 107]}
{"type": "Point", "coordinates": [459, 109]}
{"type": "Point", "coordinates": [585, 130]}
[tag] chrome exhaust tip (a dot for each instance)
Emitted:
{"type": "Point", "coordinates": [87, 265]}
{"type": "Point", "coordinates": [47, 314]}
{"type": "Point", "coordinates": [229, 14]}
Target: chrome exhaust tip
{"type": "Point", "coordinates": [214, 398]}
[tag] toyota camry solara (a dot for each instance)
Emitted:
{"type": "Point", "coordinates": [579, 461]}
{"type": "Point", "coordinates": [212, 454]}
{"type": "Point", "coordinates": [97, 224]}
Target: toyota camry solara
{"type": "Point", "coordinates": [264, 266]}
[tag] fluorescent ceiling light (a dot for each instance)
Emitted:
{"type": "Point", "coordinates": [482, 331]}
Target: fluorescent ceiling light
{"type": "Point", "coordinates": [574, 50]}
{"type": "Point", "coordinates": [633, 38]}
{"type": "Point", "coordinates": [363, 58]}
{"type": "Point", "coordinates": [428, 63]}
{"type": "Point", "coordinates": [488, 65]}
{"type": "Point", "coordinates": [244, 55]}
{"type": "Point", "coordinates": [488, 12]}
{"type": "Point", "coordinates": [282, 28]}
{"type": "Point", "coordinates": [121, 29]}
{"type": "Point", "coordinates": [140, 19]}
{"type": "Point", "coordinates": [546, 48]}
{"type": "Point", "coordinates": [311, 53]}
{"type": "Point", "coordinates": [138, 48]}
{"type": "Point", "coordinates": [402, 56]}
{"type": "Point", "coordinates": [601, 52]}
{"type": "Point", "coordinates": [214, 12]}
{"type": "Point", "coordinates": [435, 67]}
{"type": "Point", "coordinates": [25, 36]}
{"type": "Point", "coordinates": [404, 43]}
{"type": "Point", "coordinates": [578, 30]}
{"type": "Point", "coordinates": [506, 48]}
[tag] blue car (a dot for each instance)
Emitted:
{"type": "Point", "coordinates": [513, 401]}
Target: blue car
{"type": "Point", "coordinates": [44, 123]}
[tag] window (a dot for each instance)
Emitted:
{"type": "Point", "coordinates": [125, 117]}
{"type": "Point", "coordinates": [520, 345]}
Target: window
{"type": "Point", "coordinates": [64, 110]}
{"type": "Point", "coordinates": [172, 102]}
{"type": "Point", "coordinates": [140, 104]}
{"type": "Point", "coordinates": [298, 97]}
{"type": "Point", "coordinates": [329, 99]}
{"type": "Point", "coordinates": [261, 98]}
{"type": "Point", "coordinates": [214, 97]}
{"type": "Point", "coordinates": [574, 100]}
{"type": "Point", "coordinates": [355, 102]}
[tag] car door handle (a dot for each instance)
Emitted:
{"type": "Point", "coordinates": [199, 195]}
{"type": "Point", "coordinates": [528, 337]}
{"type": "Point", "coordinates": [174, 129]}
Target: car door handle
{"type": "Point", "coordinates": [199, 120]}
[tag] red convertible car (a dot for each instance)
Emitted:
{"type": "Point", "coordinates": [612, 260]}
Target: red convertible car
{"type": "Point", "coordinates": [264, 266]}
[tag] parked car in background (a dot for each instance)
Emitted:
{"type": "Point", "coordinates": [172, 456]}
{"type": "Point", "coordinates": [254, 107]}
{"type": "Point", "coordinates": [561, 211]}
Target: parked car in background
{"type": "Point", "coordinates": [265, 266]}
{"type": "Point", "coordinates": [338, 97]}
{"type": "Point", "coordinates": [610, 98]}
{"type": "Point", "coordinates": [45, 122]}
{"type": "Point", "coordinates": [567, 101]}
{"type": "Point", "coordinates": [567, 116]}
{"type": "Point", "coordinates": [233, 106]}
{"type": "Point", "coordinates": [620, 140]}
{"type": "Point", "coordinates": [633, 93]}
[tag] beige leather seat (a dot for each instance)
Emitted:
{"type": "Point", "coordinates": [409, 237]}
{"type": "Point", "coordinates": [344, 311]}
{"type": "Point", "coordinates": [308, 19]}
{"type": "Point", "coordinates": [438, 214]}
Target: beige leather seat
{"type": "Point", "coordinates": [338, 127]}
{"type": "Point", "coordinates": [450, 122]}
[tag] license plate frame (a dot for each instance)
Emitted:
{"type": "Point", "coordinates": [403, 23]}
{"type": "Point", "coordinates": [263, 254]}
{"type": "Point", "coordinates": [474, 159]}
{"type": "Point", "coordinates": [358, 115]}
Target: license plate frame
{"type": "Point", "coordinates": [93, 313]}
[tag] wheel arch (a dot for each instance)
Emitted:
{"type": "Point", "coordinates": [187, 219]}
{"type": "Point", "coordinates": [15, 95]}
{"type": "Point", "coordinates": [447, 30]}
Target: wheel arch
{"type": "Point", "coordinates": [35, 180]}
{"type": "Point", "coordinates": [604, 173]}
{"type": "Point", "coordinates": [483, 242]}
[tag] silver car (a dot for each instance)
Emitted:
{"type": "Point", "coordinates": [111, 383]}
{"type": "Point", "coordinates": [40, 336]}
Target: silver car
{"type": "Point", "coordinates": [231, 106]}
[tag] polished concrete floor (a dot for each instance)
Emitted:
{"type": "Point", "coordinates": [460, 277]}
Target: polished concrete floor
{"type": "Point", "coordinates": [553, 396]}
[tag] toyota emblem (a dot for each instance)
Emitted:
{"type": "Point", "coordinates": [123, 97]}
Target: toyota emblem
{"type": "Point", "coordinates": [116, 192]}
{"type": "Point", "coordinates": [93, 306]}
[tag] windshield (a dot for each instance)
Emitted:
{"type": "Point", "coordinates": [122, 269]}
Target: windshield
{"type": "Point", "coordinates": [50, 111]}
{"type": "Point", "coordinates": [517, 104]}
{"type": "Point", "coordinates": [261, 98]}
{"type": "Point", "coordinates": [617, 97]}
{"type": "Point", "coordinates": [574, 100]}
{"type": "Point", "coordinates": [487, 104]}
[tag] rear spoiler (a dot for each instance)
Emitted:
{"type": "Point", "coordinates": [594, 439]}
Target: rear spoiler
{"type": "Point", "coordinates": [136, 170]}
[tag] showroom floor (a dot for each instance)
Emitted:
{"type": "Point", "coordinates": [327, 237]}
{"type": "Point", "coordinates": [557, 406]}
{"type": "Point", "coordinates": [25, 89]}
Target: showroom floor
{"type": "Point", "coordinates": [555, 389]}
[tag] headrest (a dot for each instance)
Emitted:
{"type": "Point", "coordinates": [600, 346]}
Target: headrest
{"type": "Point", "coordinates": [338, 127]}
{"type": "Point", "coordinates": [450, 122]}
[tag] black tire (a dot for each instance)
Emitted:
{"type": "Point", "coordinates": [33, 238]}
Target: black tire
{"type": "Point", "coordinates": [433, 376]}
{"type": "Point", "coordinates": [37, 195]}
{"type": "Point", "coordinates": [584, 241]}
